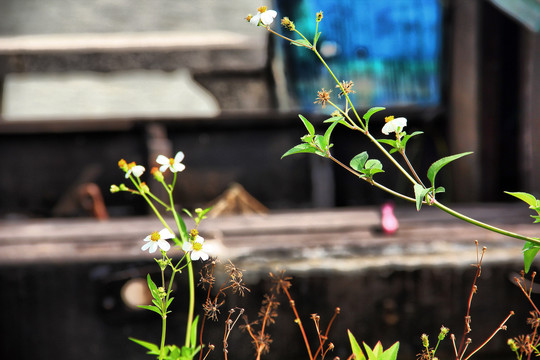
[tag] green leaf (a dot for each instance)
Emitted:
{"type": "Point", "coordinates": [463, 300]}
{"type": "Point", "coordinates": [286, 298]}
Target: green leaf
{"type": "Point", "coordinates": [328, 132]}
{"type": "Point", "coordinates": [440, 189]}
{"type": "Point", "coordinates": [152, 308]}
{"type": "Point", "coordinates": [438, 165]}
{"type": "Point", "coordinates": [372, 354]}
{"type": "Point", "coordinates": [530, 250]}
{"type": "Point", "coordinates": [391, 353]}
{"type": "Point", "coordinates": [358, 162]}
{"type": "Point", "coordinates": [420, 193]}
{"type": "Point", "coordinates": [392, 143]}
{"type": "Point", "coordinates": [528, 198]}
{"type": "Point", "coordinates": [370, 112]}
{"type": "Point", "coordinates": [321, 143]}
{"type": "Point", "coordinates": [316, 38]}
{"type": "Point", "coordinates": [307, 124]}
{"type": "Point", "coordinates": [374, 164]}
{"type": "Point", "coordinates": [301, 42]}
{"type": "Point", "coordinates": [356, 350]}
{"type": "Point", "coordinates": [300, 148]}
{"type": "Point", "coordinates": [152, 286]}
{"type": "Point", "coordinates": [406, 138]}
{"type": "Point", "coordinates": [194, 331]}
{"type": "Point", "coordinates": [153, 348]}
{"type": "Point", "coordinates": [333, 119]}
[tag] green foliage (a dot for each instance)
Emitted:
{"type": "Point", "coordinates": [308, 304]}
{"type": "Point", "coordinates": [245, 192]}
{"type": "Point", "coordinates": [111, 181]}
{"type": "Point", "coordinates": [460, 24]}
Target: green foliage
{"type": "Point", "coordinates": [530, 249]}
{"type": "Point", "coordinates": [377, 353]}
{"type": "Point", "coordinates": [370, 112]}
{"type": "Point", "coordinates": [313, 143]}
{"type": "Point", "coordinates": [439, 164]}
{"type": "Point", "coordinates": [366, 168]}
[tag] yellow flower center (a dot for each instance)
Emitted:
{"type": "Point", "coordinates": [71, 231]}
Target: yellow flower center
{"type": "Point", "coordinates": [197, 246]}
{"type": "Point", "coordinates": [388, 118]}
{"type": "Point", "coordinates": [194, 232]}
{"type": "Point", "coordinates": [122, 163]}
{"type": "Point", "coordinates": [155, 236]}
{"type": "Point", "coordinates": [131, 165]}
{"type": "Point", "coordinates": [262, 9]}
{"type": "Point", "coordinates": [171, 161]}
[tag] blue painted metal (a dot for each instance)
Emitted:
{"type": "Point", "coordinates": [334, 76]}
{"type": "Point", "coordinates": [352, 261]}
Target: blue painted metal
{"type": "Point", "coordinates": [390, 49]}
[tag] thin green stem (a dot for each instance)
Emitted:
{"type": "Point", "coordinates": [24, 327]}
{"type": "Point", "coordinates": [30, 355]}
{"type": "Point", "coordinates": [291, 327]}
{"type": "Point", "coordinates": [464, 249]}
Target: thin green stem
{"type": "Point", "coordinates": [484, 225]}
{"type": "Point", "coordinates": [411, 168]}
{"type": "Point", "coordinates": [371, 181]}
{"type": "Point", "coordinates": [191, 308]}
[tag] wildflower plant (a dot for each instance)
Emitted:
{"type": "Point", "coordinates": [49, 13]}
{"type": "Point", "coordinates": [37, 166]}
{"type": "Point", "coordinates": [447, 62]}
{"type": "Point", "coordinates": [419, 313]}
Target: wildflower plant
{"type": "Point", "coordinates": [191, 243]}
{"type": "Point", "coordinates": [423, 191]}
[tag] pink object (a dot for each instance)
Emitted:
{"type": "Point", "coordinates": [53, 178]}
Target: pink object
{"type": "Point", "coordinates": [389, 222]}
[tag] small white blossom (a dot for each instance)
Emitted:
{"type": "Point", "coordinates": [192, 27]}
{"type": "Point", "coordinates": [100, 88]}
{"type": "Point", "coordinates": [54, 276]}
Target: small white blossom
{"type": "Point", "coordinates": [158, 239]}
{"type": "Point", "coordinates": [196, 248]}
{"type": "Point", "coordinates": [394, 125]}
{"type": "Point", "coordinates": [263, 16]}
{"type": "Point", "coordinates": [136, 170]}
{"type": "Point", "coordinates": [173, 164]}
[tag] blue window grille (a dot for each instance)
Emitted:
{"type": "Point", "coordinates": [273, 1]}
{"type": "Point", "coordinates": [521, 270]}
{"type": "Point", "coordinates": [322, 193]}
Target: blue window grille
{"type": "Point", "coordinates": [390, 49]}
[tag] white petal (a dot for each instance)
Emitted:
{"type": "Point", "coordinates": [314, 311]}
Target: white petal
{"type": "Point", "coordinates": [138, 170]}
{"type": "Point", "coordinates": [162, 160]}
{"type": "Point", "coordinates": [255, 19]}
{"type": "Point", "coordinates": [199, 239]}
{"type": "Point", "coordinates": [187, 246]}
{"type": "Point", "coordinates": [153, 246]}
{"type": "Point", "coordinates": [195, 255]}
{"type": "Point", "coordinates": [163, 245]}
{"type": "Point", "coordinates": [177, 167]}
{"type": "Point", "coordinates": [179, 157]}
{"type": "Point", "coordinates": [166, 234]}
{"type": "Point", "coordinates": [163, 168]}
{"type": "Point", "coordinates": [268, 16]}
{"type": "Point", "coordinates": [146, 246]}
{"type": "Point", "coordinates": [204, 256]}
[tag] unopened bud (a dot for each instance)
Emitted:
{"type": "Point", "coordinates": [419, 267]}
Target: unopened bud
{"type": "Point", "coordinates": [287, 24]}
{"type": "Point", "coordinates": [425, 340]}
{"type": "Point", "coordinates": [319, 16]}
{"type": "Point", "coordinates": [114, 189]}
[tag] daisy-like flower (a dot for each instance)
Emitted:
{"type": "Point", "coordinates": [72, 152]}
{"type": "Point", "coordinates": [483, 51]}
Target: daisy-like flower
{"type": "Point", "coordinates": [158, 239]}
{"type": "Point", "coordinates": [136, 170]}
{"type": "Point", "coordinates": [173, 164]}
{"type": "Point", "coordinates": [393, 125]}
{"type": "Point", "coordinates": [263, 16]}
{"type": "Point", "coordinates": [196, 249]}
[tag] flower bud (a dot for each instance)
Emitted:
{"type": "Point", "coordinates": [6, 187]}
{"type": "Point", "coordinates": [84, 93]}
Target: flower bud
{"type": "Point", "coordinates": [425, 341]}
{"type": "Point", "coordinates": [122, 164]}
{"type": "Point", "coordinates": [319, 16]}
{"type": "Point", "coordinates": [114, 189]}
{"type": "Point", "coordinates": [144, 188]}
{"type": "Point", "coordinates": [444, 331]}
{"type": "Point", "coordinates": [512, 344]}
{"type": "Point", "coordinates": [287, 24]}
{"type": "Point", "coordinates": [158, 175]}
{"type": "Point", "coordinates": [123, 187]}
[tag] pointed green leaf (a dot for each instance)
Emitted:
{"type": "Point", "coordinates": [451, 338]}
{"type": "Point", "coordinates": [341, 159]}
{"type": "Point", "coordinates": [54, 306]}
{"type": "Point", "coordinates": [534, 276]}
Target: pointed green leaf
{"type": "Point", "coordinates": [536, 218]}
{"type": "Point", "coordinates": [320, 142]}
{"type": "Point", "coordinates": [316, 38]}
{"type": "Point", "coordinates": [300, 148]}
{"type": "Point", "coordinates": [356, 350]}
{"type": "Point", "coordinates": [523, 196]}
{"type": "Point", "coordinates": [419, 194]}
{"type": "Point", "coordinates": [151, 308]}
{"type": "Point", "coordinates": [391, 353]}
{"type": "Point", "coordinates": [152, 286]}
{"type": "Point", "coordinates": [153, 348]}
{"type": "Point", "coordinates": [334, 119]}
{"type": "Point", "coordinates": [370, 353]}
{"type": "Point", "coordinates": [407, 137]}
{"type": "Point", "coordinates": [301, 42]}
{"type": "Point", "coordinates": [358, 162]}
{"type": "Point", "coordinates": [438, 165]}
{"type": "Point", "coordinates": [307, 124]}
{"type": "Point", "coordinates": [392, 143]}
{"type": "Point", "coordinates": [371, 111]}
{"type": "Point", "coordinates": [530, 250]}
{"type": "Point", "coordinates": [194, 331]}
{"type": "Point", "coordinates": [328, 132]}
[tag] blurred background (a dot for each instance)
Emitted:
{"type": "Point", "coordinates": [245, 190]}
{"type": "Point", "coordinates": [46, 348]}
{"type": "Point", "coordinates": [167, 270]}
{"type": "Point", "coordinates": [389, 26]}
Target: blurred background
{"type": "Point", "coordinates": [84, 84]}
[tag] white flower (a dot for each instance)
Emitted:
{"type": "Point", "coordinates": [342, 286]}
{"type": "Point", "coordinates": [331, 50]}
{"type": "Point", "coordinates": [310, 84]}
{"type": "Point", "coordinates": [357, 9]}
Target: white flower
{"type": "Point", "coordinates": [394, 125]}
{"type": "Point", "coordinates": [158, 239]}
{"type": "Point", "coordinates": [174, 165]}
{"type": "Point", "coordinates": [196, 249]}
{"type": "Point", "coordinates": [263, 16]}
{"type": "Point", "coordinates": [136, 170]}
